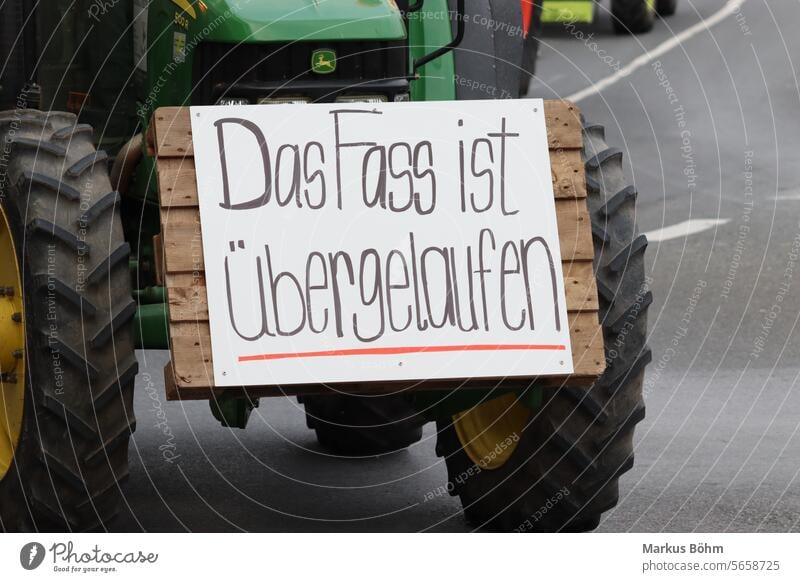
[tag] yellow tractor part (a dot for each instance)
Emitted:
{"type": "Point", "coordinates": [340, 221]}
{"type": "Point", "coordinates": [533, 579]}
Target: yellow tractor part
{"type": "Point", "coordinates": [12, 347]}
{"type": "Point", "coordinates": [490, 432]}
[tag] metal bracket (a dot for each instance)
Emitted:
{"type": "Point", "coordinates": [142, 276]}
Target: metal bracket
{"type": "Point", "coordinates": [460, 30]}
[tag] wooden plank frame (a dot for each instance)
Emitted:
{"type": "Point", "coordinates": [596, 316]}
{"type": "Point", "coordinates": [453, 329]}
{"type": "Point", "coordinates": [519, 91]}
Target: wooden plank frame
{"type": "Point", "coordinates": [190, 375]}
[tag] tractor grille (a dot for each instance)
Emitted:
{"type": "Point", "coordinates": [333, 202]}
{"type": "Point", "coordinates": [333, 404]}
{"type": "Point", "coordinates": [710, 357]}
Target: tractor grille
{"type": "Point", "coordinates": [262, 70]}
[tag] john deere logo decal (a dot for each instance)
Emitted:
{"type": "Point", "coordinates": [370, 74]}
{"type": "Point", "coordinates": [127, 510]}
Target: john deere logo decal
{"type": "Point", "coordinates": [323, 61]}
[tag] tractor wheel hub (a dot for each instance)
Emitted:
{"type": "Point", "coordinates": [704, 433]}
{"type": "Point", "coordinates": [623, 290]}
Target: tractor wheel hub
{"type": "Point", "coordinates": [490, 432]}
{"type": "Point", "coordinates": [12, 346]}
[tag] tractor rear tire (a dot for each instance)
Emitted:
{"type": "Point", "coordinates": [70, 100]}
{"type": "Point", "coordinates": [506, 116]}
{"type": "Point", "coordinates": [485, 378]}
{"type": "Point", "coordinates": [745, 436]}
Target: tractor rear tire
{"type": "Point", "coordinates": [666, 7]}
{"type": "Point", "coordinates": [530, 50]}
{"type": "Point", "coordinates": [563, 473]}
{"type": "Point", "coordinates": [363, 425]}
{"type": "Point", "coordinates": [632, 16]}
{"type": "Point", "coordinates": [72, 453]}
{"type": "Point", "coordinates": [489, 58]}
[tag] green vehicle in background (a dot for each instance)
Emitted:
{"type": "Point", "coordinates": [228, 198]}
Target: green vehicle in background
{"type": "Point", "coordinates": [628, 16]}
{"type": "Point", "coordinates": [79, 221]}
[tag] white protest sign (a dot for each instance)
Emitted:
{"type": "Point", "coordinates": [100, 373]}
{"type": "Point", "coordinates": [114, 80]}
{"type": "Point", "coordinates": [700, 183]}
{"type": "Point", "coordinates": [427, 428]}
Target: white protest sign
{"type": "Point", "coordinates": [375, 242]}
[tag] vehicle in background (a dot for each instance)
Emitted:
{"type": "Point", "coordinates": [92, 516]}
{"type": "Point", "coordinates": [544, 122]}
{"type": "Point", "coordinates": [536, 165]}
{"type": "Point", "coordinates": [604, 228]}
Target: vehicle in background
{"type": "Point", "coordinates": [628, 16]}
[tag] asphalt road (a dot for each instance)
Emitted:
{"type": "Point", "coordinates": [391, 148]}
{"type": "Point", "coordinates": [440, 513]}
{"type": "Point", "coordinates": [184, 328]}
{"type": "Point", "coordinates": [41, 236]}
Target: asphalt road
{"type": "Point", "coordinates": [711, 135]}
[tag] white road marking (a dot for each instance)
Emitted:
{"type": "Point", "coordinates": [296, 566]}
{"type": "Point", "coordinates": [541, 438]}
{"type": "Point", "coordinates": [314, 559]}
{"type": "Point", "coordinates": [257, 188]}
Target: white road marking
{"type": "Point", "coordinates": [685, 228]}
{"type": "Point", "coordinates": [731, 7]}
{"type": "Point", "coordinates": [789, 196]}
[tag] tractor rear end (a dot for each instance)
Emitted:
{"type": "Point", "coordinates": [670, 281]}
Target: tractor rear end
{"type": "Point", "coordinates": [80, 244]}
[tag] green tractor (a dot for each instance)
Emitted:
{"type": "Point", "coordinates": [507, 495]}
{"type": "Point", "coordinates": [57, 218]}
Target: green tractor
{"type": "Point", "coordinates": [79, 285]}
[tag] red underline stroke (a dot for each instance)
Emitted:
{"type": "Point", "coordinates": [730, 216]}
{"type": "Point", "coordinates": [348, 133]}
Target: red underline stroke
{"type": "Point", "coordinates": [405, 350]}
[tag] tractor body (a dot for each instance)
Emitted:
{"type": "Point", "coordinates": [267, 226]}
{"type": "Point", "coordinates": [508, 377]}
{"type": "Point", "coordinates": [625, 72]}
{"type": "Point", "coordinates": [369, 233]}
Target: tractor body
{"type": "Point", "coordinates": [79, 244]}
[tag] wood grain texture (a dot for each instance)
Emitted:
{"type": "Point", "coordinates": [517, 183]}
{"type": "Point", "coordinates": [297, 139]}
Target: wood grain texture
{"type": "Point", "coordinates": [563, 120]}
{"type": "Point", "coordinates": [172, 132]}
{"type": "Point", "coordinates": [574, 230]}
{"type": "Point", "coordinates": [569, 180]}
{"type": "Point", "coordinates": [177, 182]}
{"type": "Point", "coordinates": [190, 373]}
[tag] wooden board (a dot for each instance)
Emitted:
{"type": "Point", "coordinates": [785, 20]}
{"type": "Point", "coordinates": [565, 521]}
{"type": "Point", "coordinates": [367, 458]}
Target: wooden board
{"type": "Point", "coordinates": [190, 373]}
